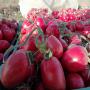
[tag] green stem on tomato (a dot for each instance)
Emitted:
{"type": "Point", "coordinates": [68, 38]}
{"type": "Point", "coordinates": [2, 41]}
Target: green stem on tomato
{"type": "Point", "coordinates": [17, 46]}
{"type": "Point", "coordinates": [48, 54]}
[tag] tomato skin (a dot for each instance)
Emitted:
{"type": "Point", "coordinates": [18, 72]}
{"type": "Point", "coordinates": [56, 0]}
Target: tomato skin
{"type": "Point", "coordinates": [75, 59]}
{"type": "Point", "coordinates": [1, 35]}
{"type": "Point", "coordinates": [15, 69]}
{"type": "Point", "coordinates": [26, 24]}
{"type": "Point", "coordinates": [74, 39]}
{"type": "Point", "coordinates": [8, 33]}
{"type": "Point", "coordinates": [86, 31]}
{"type": "Point", "coordinates": [41, 23]}
{"type": "Point", "coordinates": [4, 45]}
{"type": "Point", "coordinates": [30, 45]}
{"type": "Point", "coordinates": [53, 29]}
{"type": "Point", "coordinates": [79, 26]}
{"type": "Point", "coordinates": [52, 74]}
{"type": "Point", "coordinates": [74, 81]}
{"type": "Point", "coordinates": [55, 46]}
{"type": "Point", "coordinates": [1, 57]}
{"type": "Point", "coordinates": [63, 42]}
{"type": "Point", "coordinates": [86, 75]}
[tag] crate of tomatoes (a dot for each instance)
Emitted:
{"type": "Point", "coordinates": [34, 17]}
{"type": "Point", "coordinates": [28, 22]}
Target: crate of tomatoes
{"type": "Point", "coordinates": [51, 52]}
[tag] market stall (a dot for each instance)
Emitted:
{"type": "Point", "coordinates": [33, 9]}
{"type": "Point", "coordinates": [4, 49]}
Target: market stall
{"type": "Point", "coordinates": [45, 48]}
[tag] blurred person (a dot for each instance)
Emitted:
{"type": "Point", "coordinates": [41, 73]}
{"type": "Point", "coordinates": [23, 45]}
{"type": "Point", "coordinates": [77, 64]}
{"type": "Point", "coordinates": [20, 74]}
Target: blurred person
{"type": "Point", "coordinates": [27, 5]}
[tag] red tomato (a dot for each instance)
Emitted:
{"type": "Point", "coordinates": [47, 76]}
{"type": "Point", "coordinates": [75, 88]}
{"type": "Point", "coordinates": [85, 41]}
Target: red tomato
{"type": "Point", "coordinates": [26, 24]}
{"type": "Point", "coordinates": [55, 46]}
{"type": "Point", "coordinates": [63, 42]}
{"type": "Point", "coordinates": [30, 45]}
{"type": "Point", "coordinates": [1, 35]}
{"type": "Point", "coordinates": [79, 26]}
{"type": "Point", "coordinates": [52, 74]}
{"type": "Point", "coordinates": [41, 23]}
{"type": "Point", "coordinates": [15, 69]}
{"type": "Point", "coordinates": [8, 33]}
{"type": "Point", "coordinates": [75, 58]}
{"type": "Point", "coordinates": [1, 57]}
{"type": "Point", "coordinates": [74, 81]}
{"type": "Point", "coordinates": [74, 39]}
{"type": "Point", "coordinates": [53, 29]}
{"type": "Point", "coordinates": [86, 75]}
{"type": "Point", "coordinates": [86, 30]}
{"type": "Point", "coordinates": [4, 45]}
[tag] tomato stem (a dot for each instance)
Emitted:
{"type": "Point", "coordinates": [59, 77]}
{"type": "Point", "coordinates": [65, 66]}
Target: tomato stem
{"type": "Point", "coordinates": [48, 54]}
{"type": "Point", "coordinates": [17, 46]}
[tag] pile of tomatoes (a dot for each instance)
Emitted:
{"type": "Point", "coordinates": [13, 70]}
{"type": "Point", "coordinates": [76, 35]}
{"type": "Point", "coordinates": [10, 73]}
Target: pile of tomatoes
{"type": "Point", "coordinates": [8, 29]}
{"type": "Point", "coordinates": [53, 52]}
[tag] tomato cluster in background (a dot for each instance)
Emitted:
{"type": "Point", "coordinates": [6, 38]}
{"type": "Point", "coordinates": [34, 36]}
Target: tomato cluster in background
{"type": "Point", "coordinates": [53, 52]}
{"type": "Point", "coordinates": [7, 33]}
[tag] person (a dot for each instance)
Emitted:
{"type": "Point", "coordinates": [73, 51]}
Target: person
{"type": "Point", "coordinates": [27, 5]}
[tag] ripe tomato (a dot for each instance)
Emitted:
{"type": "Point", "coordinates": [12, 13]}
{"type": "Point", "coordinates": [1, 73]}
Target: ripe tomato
{"type": "Point", "coordinates": [75, 58]}
{"type": "Point", "coordinates": [74, 81]}
{"type": "Point", "coordinates": [4, 45]}
{"type": "Point", "coordinates": [53, 29]}
{"type": "Point", "coordinates": [30, 45]}
{"type": "Point", "coordinates": [26, 24]}
{"type": "Point", "coordinates": [15, 69]}
{"type": "Point", "coordinates": [41, 23]}
{"type": "Point", "coordinates": [8, 33]}
{"type": "Point", "coordinates": [52, 74]}
{"type": "Point", "coordinates": [55, 46]}
{"type": "Point", "coordinates": [1, 35]}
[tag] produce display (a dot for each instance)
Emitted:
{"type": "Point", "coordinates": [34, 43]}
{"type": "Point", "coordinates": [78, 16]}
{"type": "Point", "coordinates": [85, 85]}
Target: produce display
{"type": "Point", "coordinates": [8, 31]}
{"type": "Point", "coordinates": [52, 51]}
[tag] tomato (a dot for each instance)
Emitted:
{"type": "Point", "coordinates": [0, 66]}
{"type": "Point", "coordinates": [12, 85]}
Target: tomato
{"type": "Point", "coordinates": [1, 35]}
{"type": "Point", "coordinates": [1, 57]}
{"type": "Point", "coordinates": [15, 69]}
{"type": "Point", "coordinates": [63, 42]}
{"type": "Point", "coordinates": [79, 25]}
{"type": "Point", "coordinates": [74, 39]}
{"type": "Point", "coordinates": [4, 45]}
{"type": "Point", "coordinates": [26, 24]}
{"type": "Point", "coordinates": [8, 33]}
{"type": "Point", "coordinates": [14, 24]}
{"type": "Point", "coordinates": [86, 30]}
{"type": "Point", "coordinates": [74, 81]}
{"type": "Point", "coordinates": [55, 13]}
{"type": "Point", "coordinates": [52, 74]}
{"type": "Point", "coordinates": [53, 29]}
{"type": "Point", "coordinates": [41, 23]}
{"type": "Point", "coordinates": [55, 46]}
{"type": "Point", "coordinates": [86, 75]}
{"type": "Point", "coordinates": [30, 45]}
{"type": "Point", "coordinates": [75, 58]}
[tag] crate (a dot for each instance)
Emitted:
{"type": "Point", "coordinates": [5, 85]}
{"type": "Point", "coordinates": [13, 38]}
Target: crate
{"type": "Point", "coordinates": [87, 88]}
